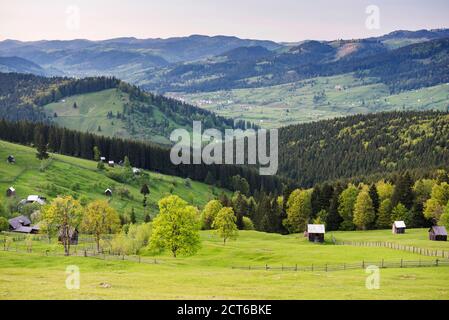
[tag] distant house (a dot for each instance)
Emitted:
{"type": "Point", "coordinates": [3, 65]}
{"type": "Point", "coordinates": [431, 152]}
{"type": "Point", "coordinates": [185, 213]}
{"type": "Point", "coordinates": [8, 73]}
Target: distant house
{"type": "Point", "coordinates": [398, 227]}
{"type": "Point", "coordinates": [315, 232]}
{"type": "Point", "coordinates": [11, 159]}
{"type": "Point", "coordinates": [111, 163]}
{"type": "Point", "coordinates": [136, 171]}
{"type": "Point", "coordinates": [36, 199]}
{"type": "Point", "coordinates": [22, 224]}
{"type": "Point", "coordinates": [103, 159]}
{"type": "Point", "coordinates": [438, 233]}
{"type": "Point", "coordinates": [72, 234]}
{"type": "Point", "coordinates": [108, 192]}
{"type": "Point", "coordinates": [10, 192]}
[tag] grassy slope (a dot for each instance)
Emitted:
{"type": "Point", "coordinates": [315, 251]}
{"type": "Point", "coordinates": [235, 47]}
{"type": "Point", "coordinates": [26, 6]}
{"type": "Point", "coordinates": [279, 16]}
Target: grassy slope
{"type": "Point", "coordinates": [270, 104]}
{"type": "Point", "coordinates": [81, 178]}
{"type": "Point", "coordinates": [209, 275]}
{"type": "Point", "coordinates": [92, 112]}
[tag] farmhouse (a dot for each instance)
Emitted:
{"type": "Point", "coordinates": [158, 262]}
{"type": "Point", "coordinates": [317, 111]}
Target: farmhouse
{"type": "Point", "coordinates": [398, 227]}
{"type": "Point", "coordinates": [108, 192]}
{"type": "Point", "coordinates": [72, 234]}
{"type": "Point", "coordinates": [11, 159]}
{"type": "Point", "coordinates": [438, 233]}
{"type": "Point", "coordinates": [10, 192]}
{"type": "Point", "coordinates": [315, 232]}
{"type": "Point", "coordinates": [111, 163]}
{"type": "Point", "coordinates": [22, 224]}
{"type": "Point", "coordinates": [36, 199]}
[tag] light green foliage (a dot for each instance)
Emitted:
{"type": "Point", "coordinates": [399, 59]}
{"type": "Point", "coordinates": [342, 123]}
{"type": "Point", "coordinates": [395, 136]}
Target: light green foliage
{"type": "Point", "coordinates": [346, 202]}
{"type": "Point", "coordinates": [400, 213]}
{"type": "Point", "coordinates": [209, 213]}
{"type": "Point", "coordinates": [299, 209]}
{"type": "Point", "coordinates": [363, 209]}
{"type": "Point", "coordinates": [444, 220]}
{"type": "Point", "coordinates": [132, 240]}
{"type": "Point", "coordinates": [247, 224]}
{"type": "Point", "coordinates": [384, 219]}
{"type": "Point", "coordinates": [176, 227]}
{"type": "Point", "coordinates": [65, 213]}
{"type": "Point", "coordinates": [384, 189]}
{"type": "Point", "coordinates": [434, 207]}
{"type": "Point", "coordinates": [98, 219]}
{"type": "Point", "coordinates": [225, 224]}
{"type": "Point", "coordinates": [4, 224]}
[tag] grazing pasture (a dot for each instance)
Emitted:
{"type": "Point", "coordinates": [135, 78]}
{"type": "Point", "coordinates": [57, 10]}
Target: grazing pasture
{"type": "Point", "coordinates": [209, 274]}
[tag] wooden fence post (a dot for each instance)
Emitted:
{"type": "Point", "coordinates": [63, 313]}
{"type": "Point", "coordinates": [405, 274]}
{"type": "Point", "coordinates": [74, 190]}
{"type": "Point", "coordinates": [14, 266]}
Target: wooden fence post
{"type": "Point", "coordinates": [401, 263]}
{"type": "Point", "coordinates": [436, 262]}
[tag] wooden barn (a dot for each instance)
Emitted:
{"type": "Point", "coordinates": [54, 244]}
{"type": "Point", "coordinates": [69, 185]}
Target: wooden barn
{"type": "Point", "coordinates": [398, 227]}
{"type": "Point", "coordinates": [11, 192]}
{"type": "Point", "coordinates": [438, 233]}
{"type": "Point", "coordinates": [22, 224]}
{"type": "Point", "coordinates": [73, 236]}
{"type": "Point", "coordinates": [11, 159]}
{"type": "Point", "coordinates": [315, 232]}
{"type": "Point", "coordinates": [108, 192]}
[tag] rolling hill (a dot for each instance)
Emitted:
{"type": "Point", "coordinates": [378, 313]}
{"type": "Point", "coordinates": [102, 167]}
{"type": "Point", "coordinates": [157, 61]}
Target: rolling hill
{"type": "Point", "coordinates": [64, 175]}
{"type": "Point", "coordinates": [107, 106]}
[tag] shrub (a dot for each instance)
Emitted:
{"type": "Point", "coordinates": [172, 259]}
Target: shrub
{"type": "Point", "coordinates": [248, 224]}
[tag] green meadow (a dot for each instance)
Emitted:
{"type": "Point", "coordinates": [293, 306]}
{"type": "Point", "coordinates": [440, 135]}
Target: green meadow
{"type": "Point", "coordinates": [304, 101]}
{"type": "Point", "coordinates": [209, 274]}
{"type": "Point", "coordinates": [63, 175]}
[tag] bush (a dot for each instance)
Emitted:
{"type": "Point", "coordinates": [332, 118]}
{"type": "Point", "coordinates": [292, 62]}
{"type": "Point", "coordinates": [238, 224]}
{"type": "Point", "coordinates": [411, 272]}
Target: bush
{"type": "Point", "coordinates": [4, 224]}
{"type": "Point", "coordinates": [248, 224]}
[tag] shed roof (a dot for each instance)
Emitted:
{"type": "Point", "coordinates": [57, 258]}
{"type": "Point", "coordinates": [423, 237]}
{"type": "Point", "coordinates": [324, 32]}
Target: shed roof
{"type": "Point", "coordinates": [399, 224]}
{"type": "Point", "coordinates": [439, 230]}
{"type": "Point", "coordinates": [315, 228]}
{"type": "Point", "coordinates": [12, 189]}
{"type": "Point", "coordinates": [19, 222]}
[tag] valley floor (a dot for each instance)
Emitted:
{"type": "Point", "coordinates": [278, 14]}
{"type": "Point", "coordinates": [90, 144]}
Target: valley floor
{"type": "Point", "coordinates": [209, 274]}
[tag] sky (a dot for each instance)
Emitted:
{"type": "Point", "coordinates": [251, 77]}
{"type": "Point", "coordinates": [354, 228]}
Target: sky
{"type": "Point", "coordinates": [278, 20]}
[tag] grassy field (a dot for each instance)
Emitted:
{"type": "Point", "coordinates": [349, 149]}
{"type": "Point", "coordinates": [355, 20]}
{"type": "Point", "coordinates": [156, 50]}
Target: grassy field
{"type": "Point", "coordinates": [81, 179]}
{"type": "Point", "coordinates": [209, 274]}
{"type": "Point", "coordinates": [292, 103]}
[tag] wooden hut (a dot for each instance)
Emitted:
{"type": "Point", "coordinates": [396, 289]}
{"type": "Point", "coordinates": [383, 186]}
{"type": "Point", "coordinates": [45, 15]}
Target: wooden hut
{"type": "Point", "coordinates": [438, 233]}
{"type": "Point", "coordinates": [315, 232]}
{"type": "Point", "coordinates": [108, 193]}
{"type": "Point", "coordinates": [103, 159]}
{"type": "Point", "coordinates": [73, 235]}
{"type": "Point", "coordinates": [398, 227]}
{"type": "Point", "coordinates": [111, 163]}
{"type": "Point", "coordinates": [11, 159]}
{"type": "Point", "coordinates": [22, 224]}
{"type": "Point", "coordinates": [11, 192]}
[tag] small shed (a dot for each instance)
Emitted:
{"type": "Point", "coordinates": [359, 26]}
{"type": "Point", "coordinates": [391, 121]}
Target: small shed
{"type": "Point", "coordinates": [315, 232]}
{"type": "Point", "coordinates": [438, 233]}
{"type": "Point", "coordinates": [136, 171]}
{"type": "Point", "coordinates": [108, 192]}
{"type": "Point", "coordinates": [11, 159]}
{"type": "Point", "coordinates": [111, 163]}
{"type": "Point", "coordinates": [398, 227]}
{"type": "Point", "coordinates": [73, 235]}
{"type": "Point", "coordinates": [11, 192]}
{"type": "Point", "coordinates": [103, 159]}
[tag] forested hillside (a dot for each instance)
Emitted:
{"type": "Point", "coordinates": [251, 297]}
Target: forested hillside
{"type": "Point", "coordinates": [362, 145]}
{"type": "Point", "coordinates": [135, 113]}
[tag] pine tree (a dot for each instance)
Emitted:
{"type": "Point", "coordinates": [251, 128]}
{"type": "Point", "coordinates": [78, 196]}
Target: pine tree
{"type": "Point", "coordinates": [403, 192]}
{"type": "Point", "coordinates": [384, 216]}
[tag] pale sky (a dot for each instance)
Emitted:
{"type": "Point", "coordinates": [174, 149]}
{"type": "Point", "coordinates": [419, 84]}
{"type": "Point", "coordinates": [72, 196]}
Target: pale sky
{"type": "Point", "coordinates": [278, 20]}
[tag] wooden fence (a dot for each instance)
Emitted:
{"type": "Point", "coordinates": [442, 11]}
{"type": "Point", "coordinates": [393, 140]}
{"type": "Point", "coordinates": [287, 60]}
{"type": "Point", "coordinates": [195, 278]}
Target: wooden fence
{"type": "Point", "coordinates": [396, 246]}
{"type": "Point", "coordinates": [352, 266]}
